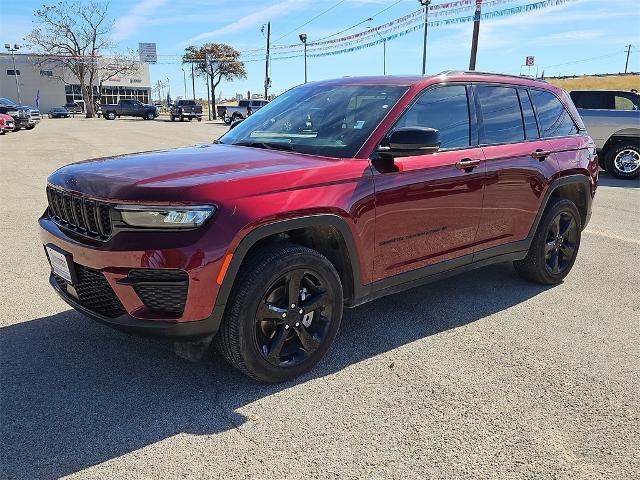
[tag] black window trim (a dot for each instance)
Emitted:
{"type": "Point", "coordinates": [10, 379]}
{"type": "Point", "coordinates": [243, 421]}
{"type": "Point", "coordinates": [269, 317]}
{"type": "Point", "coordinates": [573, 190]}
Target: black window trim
{"type": "Point", "coordinates": [525, 91]}
{"type": "Point", "coordinates": [471, 108]}
{"type": "Point", "coordinates": [482, 136]}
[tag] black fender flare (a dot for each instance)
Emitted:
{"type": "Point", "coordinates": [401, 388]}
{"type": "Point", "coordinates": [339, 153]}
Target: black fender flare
{"type": "Point", "coordinates": [283, 226]}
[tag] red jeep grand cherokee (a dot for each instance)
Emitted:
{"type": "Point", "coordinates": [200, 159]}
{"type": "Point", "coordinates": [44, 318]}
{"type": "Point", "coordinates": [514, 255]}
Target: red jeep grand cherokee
{"type": "Point", "coordinates": [336, 193]}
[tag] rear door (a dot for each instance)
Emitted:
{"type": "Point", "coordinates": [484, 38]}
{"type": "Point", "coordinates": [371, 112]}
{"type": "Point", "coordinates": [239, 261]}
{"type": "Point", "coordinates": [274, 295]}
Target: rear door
{"type": "Point", "coordinates": [428, 206]}
{"type": "Point", "coordinates": [518, 164]}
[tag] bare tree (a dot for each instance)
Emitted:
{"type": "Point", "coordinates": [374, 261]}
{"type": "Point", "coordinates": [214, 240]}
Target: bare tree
{"type": "Point", "coordinates": [217, 61]}
{"type": "Point", "coordinates": [116, 65]}
{"type": "Point", "coordinates": [73, 36]}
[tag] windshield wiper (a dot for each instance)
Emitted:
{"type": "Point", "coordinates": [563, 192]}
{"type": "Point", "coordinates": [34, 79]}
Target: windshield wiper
{"type": "Point", "coordinates": [267, 145]}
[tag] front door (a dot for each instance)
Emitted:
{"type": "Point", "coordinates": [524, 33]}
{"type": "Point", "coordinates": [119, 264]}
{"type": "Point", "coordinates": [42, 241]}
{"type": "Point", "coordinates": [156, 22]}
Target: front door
{"type": "Point", "coordinates": [428, 206]}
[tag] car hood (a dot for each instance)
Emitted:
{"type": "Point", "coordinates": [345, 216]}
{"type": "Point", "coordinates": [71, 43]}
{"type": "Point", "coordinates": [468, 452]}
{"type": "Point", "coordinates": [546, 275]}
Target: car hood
{"type": "Point", "coordinates": [164, 175]}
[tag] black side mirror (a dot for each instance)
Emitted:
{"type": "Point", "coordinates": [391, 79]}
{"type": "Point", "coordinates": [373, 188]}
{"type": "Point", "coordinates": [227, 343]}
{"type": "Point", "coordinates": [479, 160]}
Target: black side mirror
{"type": "Point", "coordinates": [408, 141]}
{"type": "Point", "coordinates": [235, 123]}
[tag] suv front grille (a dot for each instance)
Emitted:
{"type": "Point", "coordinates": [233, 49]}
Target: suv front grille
{"type": "Point", "coordinates": [163, 291]}
{"type": "Point", "coordinates": [94, 292]}
{"type": "Point", "coordinates": [82, 215]}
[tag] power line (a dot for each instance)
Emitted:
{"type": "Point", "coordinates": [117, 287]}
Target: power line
{"type": "Point", "coordinates": [309, 21]}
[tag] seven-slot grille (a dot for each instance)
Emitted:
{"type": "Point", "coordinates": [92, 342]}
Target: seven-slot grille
{"type": "Point", "coordinates": [83, 215]}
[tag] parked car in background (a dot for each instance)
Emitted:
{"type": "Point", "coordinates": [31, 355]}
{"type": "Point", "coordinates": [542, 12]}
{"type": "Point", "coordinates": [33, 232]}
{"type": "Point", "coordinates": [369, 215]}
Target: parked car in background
{"type": "Point", "coordinates": [73, 108]}
{"type": "Point", "coordinates": [6, 123]}
{"type": "Point", "coordinates": [130, 108]}
{"type": "Point", "coordinates": [612, 118]}
{"type": "Point", "coordinates": [59, 112]}
{"type": "Point", "coordinates": [338, 193]}
{"type": "Point", "coordinates": [34, 118]}
{"type": "Point", "coordinates": [20, 113]}
{"type": "Point", "coordinates": [185, 109]}
{"type": "Point", "coordinates": [243, 110]}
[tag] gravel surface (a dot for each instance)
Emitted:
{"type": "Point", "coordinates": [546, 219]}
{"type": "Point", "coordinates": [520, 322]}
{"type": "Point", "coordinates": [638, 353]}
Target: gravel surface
{"type": "Point", "coordinates": [479, 376]}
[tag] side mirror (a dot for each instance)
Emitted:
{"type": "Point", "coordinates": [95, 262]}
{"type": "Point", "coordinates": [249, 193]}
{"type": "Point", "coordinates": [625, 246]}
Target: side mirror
{"type": "Point", "coordinates": [409, 141]}
{"type": "Point", "coordinates": [235, 123]}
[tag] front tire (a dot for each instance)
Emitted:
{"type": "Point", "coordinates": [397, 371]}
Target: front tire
{"type": "Point", "coordinates": [623, 160]}
{"type": "Point", "coordinates": [110, 115]}
{"type": "Point", "coordinates": [283, 313]}
{"type": "Point", "coordinates": [555, 244]}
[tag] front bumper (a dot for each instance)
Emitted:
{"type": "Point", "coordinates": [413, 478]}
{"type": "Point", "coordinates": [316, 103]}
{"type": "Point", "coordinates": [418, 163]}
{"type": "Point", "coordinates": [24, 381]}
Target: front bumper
{"type": "Point", "coordinates": [114, 259]}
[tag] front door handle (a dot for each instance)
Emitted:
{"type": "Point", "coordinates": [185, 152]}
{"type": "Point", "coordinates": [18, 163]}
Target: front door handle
{"type": "Point", "coordinates": [540, 154]}
{"type": "Point", "coordinates": [467, 164]}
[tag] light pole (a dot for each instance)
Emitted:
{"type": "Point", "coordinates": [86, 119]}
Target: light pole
{"type": "Point", "coordinates": [384, 51]}
{"type": "Point", "coordinates": [303, 39]}
{"type": "Point", "coordinates": [168, 92]}
{"type": "Point", "coordinates": [184, 76]}
{"type": "Point", "coordinates": [15, 72]}
{"type": "Point", "coordinates": [425, 4]}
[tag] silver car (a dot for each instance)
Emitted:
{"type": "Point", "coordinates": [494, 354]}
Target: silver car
{"type": "Point", "coordinates": [612, 118]}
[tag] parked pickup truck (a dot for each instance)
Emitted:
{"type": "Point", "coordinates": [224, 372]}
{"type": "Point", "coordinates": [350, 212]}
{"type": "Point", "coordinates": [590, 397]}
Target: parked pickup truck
{"type": "Point", "coordinates": [129, 108]}
{"type": "Point", "coordinates": [612, 118]}
{"type": "Point", "coordinates": [243, 110]}
{"type": "Point", "coordinates": [21, 115]}
{"type": "Point", "coordinates": [188, 109]}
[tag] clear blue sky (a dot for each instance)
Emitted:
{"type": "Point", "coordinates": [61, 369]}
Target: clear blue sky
{"type": "Point", "coordinates": [560, 37]}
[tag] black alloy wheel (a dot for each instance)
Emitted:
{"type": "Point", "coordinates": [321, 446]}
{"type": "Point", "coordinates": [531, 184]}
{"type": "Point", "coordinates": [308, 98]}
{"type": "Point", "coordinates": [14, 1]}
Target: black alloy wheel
{"type": "Point", "coordinates": [283, 313]}
{"type": "Point", "coordinates": [555, 244]}
{"type": "Point", "coordinates": [292, 319]}
{"type": "Point", "coordinates": [560, 247]}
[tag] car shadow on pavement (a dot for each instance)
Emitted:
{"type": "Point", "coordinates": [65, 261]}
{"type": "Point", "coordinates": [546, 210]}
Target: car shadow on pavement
{"type": "Point", "coordinates": [76, 393]}
{"type": "Point", "coordinates": [606, 180]}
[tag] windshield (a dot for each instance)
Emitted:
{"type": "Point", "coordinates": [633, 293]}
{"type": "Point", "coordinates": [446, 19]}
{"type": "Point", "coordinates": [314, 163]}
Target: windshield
{"type": "Point", "coordinates": [327, 120]}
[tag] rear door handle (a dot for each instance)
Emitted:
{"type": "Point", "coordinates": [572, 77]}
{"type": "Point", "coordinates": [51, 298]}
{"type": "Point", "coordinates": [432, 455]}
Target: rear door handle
{"type": "Point", "coordinates": [467, 164]}
{"type": "Point", "coordinates": [540, 154]}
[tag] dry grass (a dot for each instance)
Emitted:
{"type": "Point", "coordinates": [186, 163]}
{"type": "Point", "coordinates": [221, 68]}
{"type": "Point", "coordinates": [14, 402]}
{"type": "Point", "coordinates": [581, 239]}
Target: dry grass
{"type": "Point", "coordinates": [614, 82]}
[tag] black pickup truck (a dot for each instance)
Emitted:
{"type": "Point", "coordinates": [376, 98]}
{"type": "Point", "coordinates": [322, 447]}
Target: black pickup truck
{"type": "Point", "coordinates": [129, 108]}
{"type": "Point", "coordinates": [188, 109]}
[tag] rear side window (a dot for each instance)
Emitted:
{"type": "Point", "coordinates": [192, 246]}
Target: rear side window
{"type": "Point", "coordinates": [555, 121]}
{"type": "Point", "coordinates": [443, 108]}
{"type": "Point", "coordinates": [530, 124]}
{"type": "Point", "coordinates": [501, 115]}
{"type": "Point", "coordinates": [244, 103]}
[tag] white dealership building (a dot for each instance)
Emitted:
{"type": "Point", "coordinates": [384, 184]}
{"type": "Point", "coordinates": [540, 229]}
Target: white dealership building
{"type": "Point", "coordinates": [56, 86]}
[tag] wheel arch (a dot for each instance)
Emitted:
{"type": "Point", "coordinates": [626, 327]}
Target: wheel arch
{"type": "Point", "coordinates": [576, 188]}
{"type": "Point", "coordinates": [625, 135]}
{"type": "Point", "coordinates": [328, 234]}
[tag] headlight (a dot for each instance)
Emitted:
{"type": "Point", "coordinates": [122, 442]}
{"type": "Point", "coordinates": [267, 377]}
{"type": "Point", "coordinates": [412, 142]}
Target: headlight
{"type": "Point", "coordinates": [165, 216]}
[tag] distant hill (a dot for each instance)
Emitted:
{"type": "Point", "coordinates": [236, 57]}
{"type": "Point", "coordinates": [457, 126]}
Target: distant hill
{"type": "Point", "coordinates": [618, 81]}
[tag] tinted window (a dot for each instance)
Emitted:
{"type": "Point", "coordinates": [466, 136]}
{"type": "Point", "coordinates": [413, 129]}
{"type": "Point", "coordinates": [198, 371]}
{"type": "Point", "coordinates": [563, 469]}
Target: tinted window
{"type": "Point", "coordinates": [186, 102]}
{"type": "Point", "coordinates": [555, 121]}
{"type": "Point", "coordinates": [530, 124]}
{"type": "Point", "coordinates": [501, 115]}
{"type": "Point", "coordinates": [443, 108]}
{"type": "Point", "coordinates": [243, 103]}
{"type": "Point", "coordinates": [593, 100]}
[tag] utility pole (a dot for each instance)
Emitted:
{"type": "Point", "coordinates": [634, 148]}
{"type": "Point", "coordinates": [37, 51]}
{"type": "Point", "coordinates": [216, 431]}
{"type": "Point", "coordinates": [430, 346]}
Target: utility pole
{"type": "Point", "coordinates": [626, 65]}
{"type": "Point", "coordinates": [184, 77]}
{"type": "Point", "coordinates": [15, 72]}
{"type": "Point", "coordinates": [425, 4]}
{"type": "Point", "coordinates": [266, 63]}
{"type": "Point", "coordinates": [193, 82]}
{"type": "Point", "coordinates": [476, 33]}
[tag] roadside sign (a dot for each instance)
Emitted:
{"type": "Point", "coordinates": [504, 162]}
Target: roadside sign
{"type": "Point", "coordinates": [147, 53]}
{"type": "Point", "coordinates": [530, 61]}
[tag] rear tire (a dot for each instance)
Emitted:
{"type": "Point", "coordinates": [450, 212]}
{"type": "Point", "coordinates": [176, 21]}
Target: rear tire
{"type": "Point", "coordinates": [263, 334]}
{"type": "Point", "coordinates": [555, 244]}
{"type": "Point", "coordinates": [623, 160]}
{"type": "Point", "coordinates": [110, 115]}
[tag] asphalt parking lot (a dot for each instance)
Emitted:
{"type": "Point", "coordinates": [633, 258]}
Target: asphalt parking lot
{"type": "Point", "coordinates": [479, 376]}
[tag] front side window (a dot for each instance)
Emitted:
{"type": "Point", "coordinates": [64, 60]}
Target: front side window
{"type": "Point", "coordinates": [501, 115]}
{"type": "Point", "coordinates": [445, 109]}
{"type": "Point", "coordinates": [318, 119]}
{"type": "Point", "coordinates": [624, 102]}
{"type": "Point", "coordinates": [555, 120]}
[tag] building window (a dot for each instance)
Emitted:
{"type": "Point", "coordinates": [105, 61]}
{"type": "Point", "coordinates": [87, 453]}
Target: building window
{"type": "Point", "coordinates": [46, 73]}
{"type": "Point", "coordinates": [13, 72]}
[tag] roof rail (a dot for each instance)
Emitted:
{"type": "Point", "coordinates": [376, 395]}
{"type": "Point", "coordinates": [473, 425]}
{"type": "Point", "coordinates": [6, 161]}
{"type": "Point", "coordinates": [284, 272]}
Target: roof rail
{"type": "Point", "coordinates": [474, 72]}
